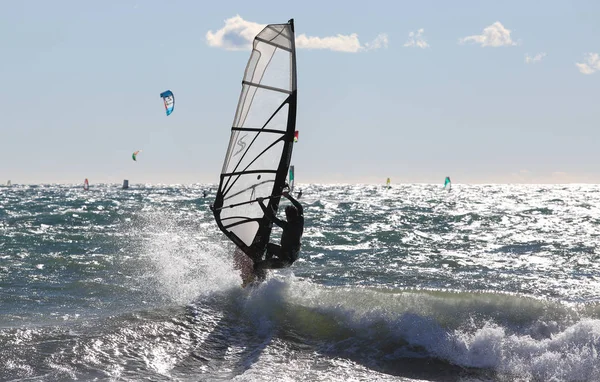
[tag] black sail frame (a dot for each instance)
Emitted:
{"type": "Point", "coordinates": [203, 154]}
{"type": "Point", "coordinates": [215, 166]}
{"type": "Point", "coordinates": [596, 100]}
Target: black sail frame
{"type": "Point", "coordinates": [228, 179]}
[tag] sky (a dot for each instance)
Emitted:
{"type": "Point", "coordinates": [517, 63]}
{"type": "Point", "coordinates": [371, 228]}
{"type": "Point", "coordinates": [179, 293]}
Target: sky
{"type": "Point", "coordinates": [485, 92]}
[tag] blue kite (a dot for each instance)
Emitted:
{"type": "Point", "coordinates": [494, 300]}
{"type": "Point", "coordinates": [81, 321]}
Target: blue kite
{"type": "Point", "coordinates": [169, 100]}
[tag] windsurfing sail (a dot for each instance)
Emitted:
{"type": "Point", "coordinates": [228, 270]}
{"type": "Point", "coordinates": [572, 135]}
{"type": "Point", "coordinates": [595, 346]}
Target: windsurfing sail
{"type": "Point", "coordinates": [86, 184]}
{"type": "Point", "coordinates": [125, 184]}
{"type": "Point", "coordinates": [447, 183]}
{"type": "Point", "coordinates": [296, 136]}
{"type": "Point", "coordinates": [261, 142]}
{"type": "Point", "coordinates": [291, 178]}
{"type": "Point", "coordinates": [169, 100]}
{"type": "Point", "coordinates": [135, 154]}
{"type": "Point", "coordinates": [388, 183]}
{"type": "Point", "coordinates": [8, 183]}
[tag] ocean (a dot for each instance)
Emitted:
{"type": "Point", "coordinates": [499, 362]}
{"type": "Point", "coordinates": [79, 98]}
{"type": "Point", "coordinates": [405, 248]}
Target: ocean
{"type": "Point", "coordinates": [411, 283]}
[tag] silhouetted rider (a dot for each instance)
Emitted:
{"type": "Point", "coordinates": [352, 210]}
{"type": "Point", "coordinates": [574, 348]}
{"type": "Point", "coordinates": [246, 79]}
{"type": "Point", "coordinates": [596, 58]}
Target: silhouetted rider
{"type": "Point", "coordinates": [286, 253]}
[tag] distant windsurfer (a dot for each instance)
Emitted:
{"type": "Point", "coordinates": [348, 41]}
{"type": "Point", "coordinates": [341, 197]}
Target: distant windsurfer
{"type": "Point", "coordinates": [286, 253]}
{"type": "Point", "coordinates": [299, 194]}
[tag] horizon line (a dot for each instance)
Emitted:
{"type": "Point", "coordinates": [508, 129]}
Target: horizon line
{"type": "Point", "coordinates": [383, 184]}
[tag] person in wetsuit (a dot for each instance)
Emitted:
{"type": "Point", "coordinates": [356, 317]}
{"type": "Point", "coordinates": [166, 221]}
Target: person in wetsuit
{"type": "Point", "coordinates": [286, 253]}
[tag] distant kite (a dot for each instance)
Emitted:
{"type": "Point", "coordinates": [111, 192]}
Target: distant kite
{"type": "Point", "coordinates": [134, 155]}
{"type": "Point", "coordinates": [169, 100]}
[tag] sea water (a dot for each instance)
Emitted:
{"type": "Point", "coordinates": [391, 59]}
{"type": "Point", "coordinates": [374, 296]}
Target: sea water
{"type": "Point", "coordinates": [483, 283]}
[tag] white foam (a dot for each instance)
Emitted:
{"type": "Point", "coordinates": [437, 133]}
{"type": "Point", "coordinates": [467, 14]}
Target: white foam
{"type": "Point", "coordinates": [185, 260]}
{"type": "Point", "coordinates": [570, 355]}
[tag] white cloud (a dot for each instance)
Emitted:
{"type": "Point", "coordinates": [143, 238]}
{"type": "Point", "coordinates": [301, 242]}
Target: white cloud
{"type": "Point", "coordinates": [416, 40]}
{"type": "Point", "coordinates": [494, 35]}
{"type": "Point", "coordinates": [381, 41]}
{"type": "Point", "coordinates": [339, 43]}
{"type": "Point", "coordinates": [591, 64]}
{"type": "Point", "coordinates": [237, 34]}
{"type": "Point", "coordinates": [533, 59]}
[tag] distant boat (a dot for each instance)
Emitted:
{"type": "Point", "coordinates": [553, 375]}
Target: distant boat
{"type": "Point", "coordinates": [388, 183]}
{"type": "Point", "coordinates": [125, 184]}
{"type": "Point", "coordinates": [86, 184]}
{"type": "Point", "coordinates": [448, 183]}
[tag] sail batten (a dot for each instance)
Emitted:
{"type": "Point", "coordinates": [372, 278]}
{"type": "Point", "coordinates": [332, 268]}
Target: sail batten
{"type": "Point", "coordinates": [257, 129]}
{"type": "Point", "coordinates": [250, 172]}
{"type": "Point", "coordinates": [257, 159]}
{"type": "Point", "coordinates": [266, 87]}
{"type": "Point", "coordinates": [274, 44]}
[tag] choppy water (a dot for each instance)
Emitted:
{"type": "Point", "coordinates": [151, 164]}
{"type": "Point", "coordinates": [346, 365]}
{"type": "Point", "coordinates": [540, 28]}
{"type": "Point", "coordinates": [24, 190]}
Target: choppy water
{"type": "Point", "coordinates": [490, 282]}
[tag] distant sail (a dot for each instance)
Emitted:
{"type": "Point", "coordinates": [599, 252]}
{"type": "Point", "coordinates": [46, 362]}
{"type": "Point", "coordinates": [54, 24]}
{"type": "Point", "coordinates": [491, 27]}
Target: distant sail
{"type": "Point", "coordinates": [296, 136]}
{"type": "Point", "coordinates": [169, 100]}
{"type": "Point", "coordinates": [291, 178]}
{"type": "Point", "coordinates": [388, 183]}
{"type": "Point", "coordinates": [261, 143]}
{"type": "Point", "coordinates": [125, 184]}
{"type": "Point", "coordinates": [86, 184]}
{"type": "Point", "coordinates": [135, 154]}
{"type": "Point", "coordinates": [8, 183]}
{"type": "Point", "coordinates": [447, 183]}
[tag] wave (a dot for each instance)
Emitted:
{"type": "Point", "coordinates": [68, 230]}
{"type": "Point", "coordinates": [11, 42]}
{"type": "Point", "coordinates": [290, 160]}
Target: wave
{"type": "Point", "coordinates": [485, 334]}
{"type": "Point", "coordinates": [290, 328]}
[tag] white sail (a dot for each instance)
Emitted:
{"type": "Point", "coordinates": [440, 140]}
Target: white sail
{"type": "Point", "coordinates": [261, 142]}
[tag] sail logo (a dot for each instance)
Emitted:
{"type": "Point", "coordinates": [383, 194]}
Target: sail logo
{"type": "Point", "coordinates": [241, 143]}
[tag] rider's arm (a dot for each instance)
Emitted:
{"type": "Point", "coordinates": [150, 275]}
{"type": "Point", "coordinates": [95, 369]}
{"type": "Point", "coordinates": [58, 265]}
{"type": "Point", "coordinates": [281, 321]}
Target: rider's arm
{"type": "Point", "coordinates": [271, 216]}
{"type": "Point", "coordinates": [294, 202]}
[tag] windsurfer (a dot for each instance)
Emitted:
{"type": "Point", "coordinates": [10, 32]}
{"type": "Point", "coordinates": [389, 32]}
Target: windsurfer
{"type": "Point", "coordinates": [288, 251]}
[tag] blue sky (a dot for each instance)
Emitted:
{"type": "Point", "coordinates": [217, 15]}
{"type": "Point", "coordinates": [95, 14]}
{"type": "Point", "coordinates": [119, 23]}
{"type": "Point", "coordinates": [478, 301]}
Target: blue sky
{"type": "Point", "coordinates": [503, 92]}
